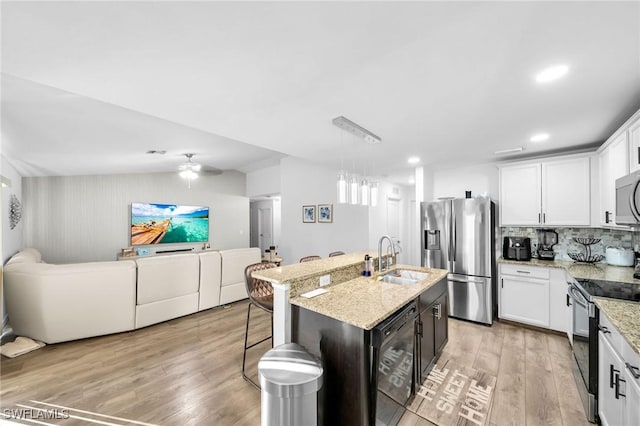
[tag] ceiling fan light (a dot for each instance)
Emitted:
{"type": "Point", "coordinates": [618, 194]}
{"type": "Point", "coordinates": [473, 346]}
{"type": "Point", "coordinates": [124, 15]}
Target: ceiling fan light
{"type": "Point", "coordinates": [188, 174]}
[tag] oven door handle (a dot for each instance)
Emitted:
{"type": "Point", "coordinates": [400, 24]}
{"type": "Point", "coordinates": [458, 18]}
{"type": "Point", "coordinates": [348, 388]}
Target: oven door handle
{"type": "Point", "coordinates": [578, 297]}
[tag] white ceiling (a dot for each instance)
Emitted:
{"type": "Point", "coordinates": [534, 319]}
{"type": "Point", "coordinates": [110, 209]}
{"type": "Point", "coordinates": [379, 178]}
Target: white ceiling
{"type": "Point", "coordinates": [89, 87]}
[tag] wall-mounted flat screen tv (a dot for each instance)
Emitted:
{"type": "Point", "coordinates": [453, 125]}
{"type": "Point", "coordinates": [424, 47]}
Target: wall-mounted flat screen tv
{"type": "Point", "coordinates": [153, 223]}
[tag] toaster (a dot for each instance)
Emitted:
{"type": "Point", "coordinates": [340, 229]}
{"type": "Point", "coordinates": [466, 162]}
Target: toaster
{"type": "Point", "coordinates": [516, 248]}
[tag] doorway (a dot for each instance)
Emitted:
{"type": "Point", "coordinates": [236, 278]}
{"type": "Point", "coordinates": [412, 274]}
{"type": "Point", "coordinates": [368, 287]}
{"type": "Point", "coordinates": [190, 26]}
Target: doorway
{"type": "Point", "coordinates": [264, 223]}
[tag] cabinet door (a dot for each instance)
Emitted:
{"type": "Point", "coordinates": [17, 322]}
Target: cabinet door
{"type": "Point", "coordinates": [614, 163]}
{"type": "Point", "coordinates": [566, 192]}
{"type": "Point", "coordinates": [427, 342]}
{"type": "Point", "coordinates": [611, 404]}
{"type": "Point", "coordinates": [441, 322]}
{"type": "Point", "coordinates": [524, 300]}
{"type": "Point", "coordinates": [634, 146]}
{"type": "Point", "coordinates": [632, 410]}
{"type": "Point", "coordinates": [520, 195]}
{"type": "Point", "coordinates": [559, 310]}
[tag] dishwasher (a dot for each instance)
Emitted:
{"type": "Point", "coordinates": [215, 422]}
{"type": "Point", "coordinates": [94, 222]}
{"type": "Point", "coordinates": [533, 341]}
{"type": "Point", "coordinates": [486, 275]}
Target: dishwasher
{"type": "Point", "coordinates": [392, 370]}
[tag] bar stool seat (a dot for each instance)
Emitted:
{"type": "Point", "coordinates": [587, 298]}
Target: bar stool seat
{"type": "Point", "coordinates": [260, 295]}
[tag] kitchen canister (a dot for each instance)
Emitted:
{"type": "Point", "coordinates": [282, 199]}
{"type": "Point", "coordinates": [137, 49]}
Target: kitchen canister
{"type": "Point", "coordinates": [620, 256]}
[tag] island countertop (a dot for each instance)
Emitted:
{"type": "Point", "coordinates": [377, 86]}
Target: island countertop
{"type": "Point", "coordinates": [365, 301]}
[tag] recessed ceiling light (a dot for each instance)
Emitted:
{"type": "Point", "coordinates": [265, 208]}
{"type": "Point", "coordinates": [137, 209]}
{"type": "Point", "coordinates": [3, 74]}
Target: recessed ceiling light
{"type": "Point", "coordinates": [412, 181]}
{"type": "Point", "coordinates": [413, 160]}
{"type": "Point", "coordinates": [540, 137]}
{"type": "Point", "coordinates": [551, 73]}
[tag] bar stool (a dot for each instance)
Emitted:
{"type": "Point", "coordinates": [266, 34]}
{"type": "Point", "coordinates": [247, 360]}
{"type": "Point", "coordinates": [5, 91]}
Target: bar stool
{"type": "Point", "coordinates": [260, 295]}
{"type": "Point", "coordinates": [309, 258]}
{"type": "Point", "coordinates": [336, 253]}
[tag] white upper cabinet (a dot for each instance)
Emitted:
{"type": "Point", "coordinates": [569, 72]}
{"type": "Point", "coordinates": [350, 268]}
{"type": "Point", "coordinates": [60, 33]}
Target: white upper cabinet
{"type": "Point", "coordinates": [634, 145]}
{"type": "Point", "coordinates": [566, 192]}
{"type": "Point", "coordinates": [553, 192]}
{"type": "Point", "coordinates": [614, 163]}
{"type": "Point", "coordinates": [520, 192]}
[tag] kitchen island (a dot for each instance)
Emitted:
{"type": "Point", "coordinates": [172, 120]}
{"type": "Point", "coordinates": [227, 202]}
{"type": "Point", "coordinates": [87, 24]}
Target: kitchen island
{"type": "Point", "coordinates": [343, 328]}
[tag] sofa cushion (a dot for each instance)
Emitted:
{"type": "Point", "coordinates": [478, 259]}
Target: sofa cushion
{"type": "Point", "coordinates": [235, 261]}
{"type": "Point", "coordinates": [166, 277]}
{"type": "Point", "coordinates": [210, 274]}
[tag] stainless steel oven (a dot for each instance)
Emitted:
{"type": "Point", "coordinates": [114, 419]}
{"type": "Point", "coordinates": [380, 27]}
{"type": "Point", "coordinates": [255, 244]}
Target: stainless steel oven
{"type": "Point", "coordinates": [584, 333]}
{"type": "Point", "coordinates": [584, 343]}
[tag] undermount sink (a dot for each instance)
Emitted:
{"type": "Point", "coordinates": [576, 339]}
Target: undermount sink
{"type": "Point", "coordinates": [404, 277]}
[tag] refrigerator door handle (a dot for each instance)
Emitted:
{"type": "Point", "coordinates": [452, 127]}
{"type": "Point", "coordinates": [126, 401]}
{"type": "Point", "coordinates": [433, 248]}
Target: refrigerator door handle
{"type": "Point", "coordinates": [458, 279]}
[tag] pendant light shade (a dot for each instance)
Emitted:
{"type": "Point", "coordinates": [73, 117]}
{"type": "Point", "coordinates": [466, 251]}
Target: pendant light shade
{"type": "Point", "coordinates": [364, 192]}
{"type": "Point", "coordinates": [374, 194]}
{"type": "Point", "coordinates": [354, 190]}
{"type": "Point", "coordinates": [342, 188]}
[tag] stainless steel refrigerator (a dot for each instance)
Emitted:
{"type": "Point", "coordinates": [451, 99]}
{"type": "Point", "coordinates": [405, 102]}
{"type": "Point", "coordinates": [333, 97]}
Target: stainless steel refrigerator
{"type": "Point", "coordinates": [459, 235]}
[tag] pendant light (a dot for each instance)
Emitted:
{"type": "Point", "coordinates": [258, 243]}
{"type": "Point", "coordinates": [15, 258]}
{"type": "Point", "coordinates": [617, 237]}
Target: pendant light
{"type": "Point", "coordinates": [354, 190]}
{"type": "Point", "coordinates": [342, 187]}
{"type": "Point", "coordinates": [364, 192]}
{"type": "Point", "coordinates": [374, 194]}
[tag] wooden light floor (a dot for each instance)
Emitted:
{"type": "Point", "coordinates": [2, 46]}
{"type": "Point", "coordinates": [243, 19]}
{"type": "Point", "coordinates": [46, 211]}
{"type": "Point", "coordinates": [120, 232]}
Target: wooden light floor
{"type": "Point", "coordinates": [187, 372]}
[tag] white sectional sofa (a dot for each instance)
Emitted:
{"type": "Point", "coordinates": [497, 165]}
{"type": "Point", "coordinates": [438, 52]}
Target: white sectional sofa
{"type": "Point", "coordinates": [57, 303]}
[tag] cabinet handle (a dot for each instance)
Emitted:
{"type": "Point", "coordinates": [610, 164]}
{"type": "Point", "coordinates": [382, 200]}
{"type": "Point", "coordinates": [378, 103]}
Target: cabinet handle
{"type": "Point", "coordinates": [618, 393]}
{"type": "Point", "coordinates": [502, 283]}
{"type": "Point", "coordinates": [604, 329]}
{"type": "Point", "coordinates": [639, 155]}
{"type": "Point", "coordinates": [612, 375]}
{"type": "Point", "coordinates": [568, 300]}
{"type": "Point", "coordinates": [437, 311]}
{"type": "Point", "coordinates": [606, 217]}
{"type": "Point", "coordinates": [544, 218]}
{"type": "Point", "coordinates": [635, 372]}
{"type": "Point", "coordinates": [539, 221]}
{"type": "Point", "coordinates": [523, 272]}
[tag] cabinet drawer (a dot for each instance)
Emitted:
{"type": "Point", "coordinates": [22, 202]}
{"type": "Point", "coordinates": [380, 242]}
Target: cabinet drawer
{"type": "Point", "coordinates": [524, 271]}
{"type": "Point", "coordinates": [632, 359]}
{"type": "Point", "coordinates": [610, 333]}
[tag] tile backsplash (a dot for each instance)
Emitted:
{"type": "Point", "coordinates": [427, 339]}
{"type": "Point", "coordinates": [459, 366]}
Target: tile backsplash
{"type": "Point", "coordinates": [608, 237]}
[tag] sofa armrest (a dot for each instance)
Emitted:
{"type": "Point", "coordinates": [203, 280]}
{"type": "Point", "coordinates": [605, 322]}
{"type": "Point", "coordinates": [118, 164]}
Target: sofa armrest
{"type": "Point", "coordinates": [56, 303]}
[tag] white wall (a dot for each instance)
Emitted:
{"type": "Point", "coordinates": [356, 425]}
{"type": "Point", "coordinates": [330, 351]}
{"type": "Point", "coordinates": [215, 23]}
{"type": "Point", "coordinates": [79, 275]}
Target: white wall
{"type": "Point", "coordinates": [86, 218]}
{"type": "Point", "coordinates": [304, 183]}
{"type": "Point", "coordinates": [481, 179]}
{"type": "Point", "coordinates": [263, 182]}
{"type": "Point", "coordinates": [11, 238]}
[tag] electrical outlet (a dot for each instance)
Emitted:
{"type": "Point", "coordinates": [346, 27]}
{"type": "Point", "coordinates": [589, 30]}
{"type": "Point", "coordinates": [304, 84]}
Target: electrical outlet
{"type": "Point", "coordinates": [325, 280]}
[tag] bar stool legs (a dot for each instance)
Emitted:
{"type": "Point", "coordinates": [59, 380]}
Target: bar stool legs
{"type": "Point", "coordinates": [246, 338]}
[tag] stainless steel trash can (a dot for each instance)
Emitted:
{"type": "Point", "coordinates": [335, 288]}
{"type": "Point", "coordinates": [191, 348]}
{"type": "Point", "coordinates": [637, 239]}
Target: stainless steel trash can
{"type": "Point", "coordinates": [290, 378]}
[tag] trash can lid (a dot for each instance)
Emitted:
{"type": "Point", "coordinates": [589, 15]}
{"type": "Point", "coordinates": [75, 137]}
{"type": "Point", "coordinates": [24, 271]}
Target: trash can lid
{"type": "Point", "coordinates": [290, 371]}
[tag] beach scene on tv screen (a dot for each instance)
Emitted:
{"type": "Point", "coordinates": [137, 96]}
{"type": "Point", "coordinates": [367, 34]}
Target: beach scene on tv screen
{"type": "Point", "coordinates": [168, 223]}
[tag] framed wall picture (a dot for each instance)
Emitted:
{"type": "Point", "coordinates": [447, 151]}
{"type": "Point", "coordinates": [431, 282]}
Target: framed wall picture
{"type": "Point", "coordinates": [325, 213]}
{"type": "Point", "coordinates": [309, 214]}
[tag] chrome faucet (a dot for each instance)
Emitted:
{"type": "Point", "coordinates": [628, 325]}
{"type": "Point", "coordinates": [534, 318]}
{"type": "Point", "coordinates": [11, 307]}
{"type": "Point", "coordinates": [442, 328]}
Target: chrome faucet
{"type": "Point", "coordinates": [390, 256]}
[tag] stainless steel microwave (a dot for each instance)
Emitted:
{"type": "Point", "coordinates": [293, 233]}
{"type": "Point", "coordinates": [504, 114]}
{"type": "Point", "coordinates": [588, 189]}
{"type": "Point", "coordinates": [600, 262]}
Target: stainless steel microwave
{"type": "Point", "coordinates": [628, 200]}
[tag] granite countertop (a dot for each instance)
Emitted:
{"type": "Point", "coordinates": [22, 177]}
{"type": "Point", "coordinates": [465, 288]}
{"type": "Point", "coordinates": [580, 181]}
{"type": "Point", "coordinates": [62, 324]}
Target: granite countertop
{"type": "Point", "coordinates": [285, 274]}
{"type": "Point", "coordinates": [365, 302]}
{"type": "Point", "coordinates": [625, 316]}
{"type": "Point", "coordinates": [594, 271]}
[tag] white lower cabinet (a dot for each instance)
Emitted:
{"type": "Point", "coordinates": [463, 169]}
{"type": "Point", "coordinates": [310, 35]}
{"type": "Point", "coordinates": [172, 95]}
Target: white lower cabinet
{"type": "Point", "coordinates": [611, 403]}
{"type": "Point", "coordinates": [535, 295]}
{"type": "Point", "coordinates": [618, 378]}
{"type": "Point", "coordinates": [524, 294]}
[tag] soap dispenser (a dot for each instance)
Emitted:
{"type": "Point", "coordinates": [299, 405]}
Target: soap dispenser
{"type": "Point", "coordinates": [368, 266]}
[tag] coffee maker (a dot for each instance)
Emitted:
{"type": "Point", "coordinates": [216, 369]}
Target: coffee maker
{"type": "Point", "coordinates": [547, 238]}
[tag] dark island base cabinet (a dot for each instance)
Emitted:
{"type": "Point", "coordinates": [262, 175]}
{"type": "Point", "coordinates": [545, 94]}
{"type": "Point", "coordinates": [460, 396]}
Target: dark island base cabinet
{"type": "Point", "coordinates": [432, 328]}
{"type": "Point", "coordinates": [348, 395]}
{"type": "Point", "coordinates": [345, 350]}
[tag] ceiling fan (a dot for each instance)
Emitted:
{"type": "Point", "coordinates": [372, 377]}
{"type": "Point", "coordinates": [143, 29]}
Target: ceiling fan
{"type": "Point", "coordinates": [190, 170]}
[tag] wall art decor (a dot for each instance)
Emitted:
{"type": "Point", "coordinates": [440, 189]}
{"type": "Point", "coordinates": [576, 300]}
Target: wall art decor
{"type": "Point", "coordinates": [308, 214]}
{"type": "Point", "coordinates": [15, 211]}
{"type": "Point", "coordinates": [325, 213]}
